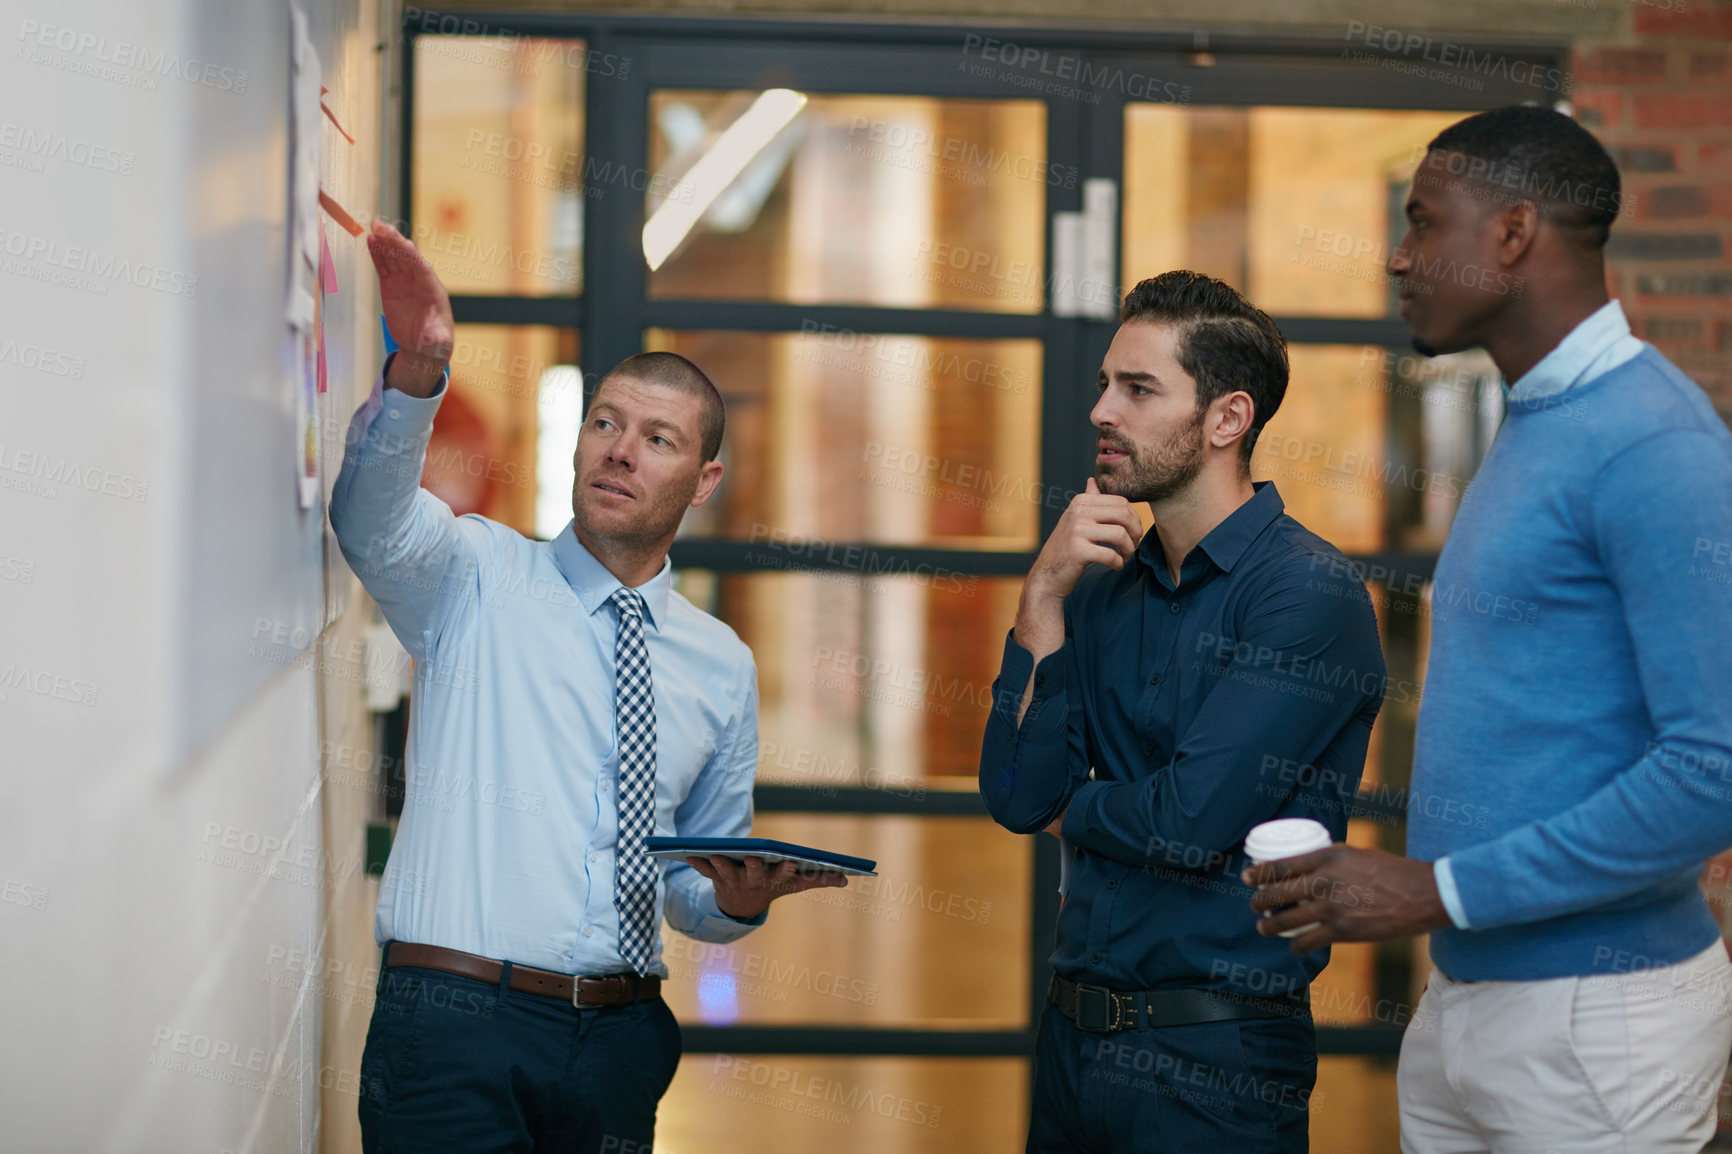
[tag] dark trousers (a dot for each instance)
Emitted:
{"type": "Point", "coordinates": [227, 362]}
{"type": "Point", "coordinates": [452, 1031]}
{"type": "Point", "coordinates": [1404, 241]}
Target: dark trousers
{"type": "Point", "coordinates": [1213, 1088]}
{"type": "Point", "coordinates": [456, 1064]}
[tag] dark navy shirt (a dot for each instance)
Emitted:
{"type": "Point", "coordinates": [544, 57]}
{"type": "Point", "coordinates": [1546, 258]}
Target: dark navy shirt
{"type": "Point", "coordinates": [1172, 721]}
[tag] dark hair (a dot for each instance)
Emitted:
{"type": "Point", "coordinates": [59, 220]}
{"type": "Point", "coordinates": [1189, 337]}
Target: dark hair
{"type": "Point", "coordinates": [1525, 152]}
{"type": "Point", "coordinates": [676, 372]}
{"type": "Point", "coordinates": [1226, 343]}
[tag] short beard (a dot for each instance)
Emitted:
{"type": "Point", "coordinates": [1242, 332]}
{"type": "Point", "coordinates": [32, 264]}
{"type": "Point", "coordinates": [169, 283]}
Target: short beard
{"type": "Point", "coordinates": [1172, 467]}
{"type": "Point", "coordinates": [649, 527]}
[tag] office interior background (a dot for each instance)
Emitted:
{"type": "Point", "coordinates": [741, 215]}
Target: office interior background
{"type": "Point", "coordinates": [895, 234]}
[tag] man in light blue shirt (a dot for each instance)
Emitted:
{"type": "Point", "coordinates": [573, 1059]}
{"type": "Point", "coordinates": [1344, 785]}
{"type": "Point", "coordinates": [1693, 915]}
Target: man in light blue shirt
{"type": "Point", "coordinates": [1572, 767]}
{"type": "Point", "coordinates": [567, 702]}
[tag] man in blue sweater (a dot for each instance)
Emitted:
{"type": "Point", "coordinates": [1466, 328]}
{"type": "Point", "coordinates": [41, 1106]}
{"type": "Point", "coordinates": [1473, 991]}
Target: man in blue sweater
{"type": "Point", "coordinates": [1580, 996]}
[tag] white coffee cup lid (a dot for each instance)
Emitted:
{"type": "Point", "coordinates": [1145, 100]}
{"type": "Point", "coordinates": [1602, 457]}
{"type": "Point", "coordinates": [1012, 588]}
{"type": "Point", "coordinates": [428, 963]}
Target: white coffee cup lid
{"type": "Point", "coordinates": [1286, 837]}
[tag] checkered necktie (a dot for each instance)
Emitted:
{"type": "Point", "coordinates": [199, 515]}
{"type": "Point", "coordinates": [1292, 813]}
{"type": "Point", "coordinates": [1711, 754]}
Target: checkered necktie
{"type": "Point", "coordinates": [635, 875]}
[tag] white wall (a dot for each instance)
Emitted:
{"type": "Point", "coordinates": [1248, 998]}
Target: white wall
{"type": "Point", "coordinates": [133, 577]}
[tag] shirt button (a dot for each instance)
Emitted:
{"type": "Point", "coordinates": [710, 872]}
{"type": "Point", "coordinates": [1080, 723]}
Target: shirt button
{"type": "Point", "coordinates": [1112, 883]}
{"type": "Point", "coordinates": [594, 857]}
{"type": "Point", "coordinates": [1148, 751]}
{"type": "Point", "coordinates": [1039, 680]}
{"type": "Point", "coordinates": [589, 931]}
{"type": "Point", "coordinates": [1173, 607]}
{"type": "Point", "coordinates": [395, 414]}
{"type": "Point", "coordinates": [1095, 958]}
{"type": "Point", "coordinates": [1154, 679]}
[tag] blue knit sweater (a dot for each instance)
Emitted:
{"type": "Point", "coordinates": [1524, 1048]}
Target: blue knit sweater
{"type": "Point", "coordinates": [1574, 751]}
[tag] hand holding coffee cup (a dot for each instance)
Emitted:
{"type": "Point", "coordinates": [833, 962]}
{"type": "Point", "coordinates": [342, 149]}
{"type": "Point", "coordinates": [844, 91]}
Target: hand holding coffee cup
{"type": "Point", "coordinates": [1284, 838]}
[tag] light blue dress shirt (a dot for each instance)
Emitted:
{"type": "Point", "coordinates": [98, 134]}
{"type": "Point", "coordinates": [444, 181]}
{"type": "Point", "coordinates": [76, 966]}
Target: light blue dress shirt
{"type": "Point", "coordinates": [506, 844]}
{"type": "Point", "coordinates": [1596, 346]}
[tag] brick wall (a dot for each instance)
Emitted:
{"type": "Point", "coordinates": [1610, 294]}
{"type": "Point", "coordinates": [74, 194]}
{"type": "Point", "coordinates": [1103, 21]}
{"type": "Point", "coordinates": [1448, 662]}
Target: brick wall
{"type": "Point", "coordinates": [1660, 98]}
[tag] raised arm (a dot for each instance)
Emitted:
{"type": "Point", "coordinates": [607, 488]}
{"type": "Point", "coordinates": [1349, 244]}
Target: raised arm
{"type": "Point", "coordinates": [404, 543]}
{"type": "Point", "coordinates": [1032, 757]}
{"type": "Point", "coordinates": [417, 311]}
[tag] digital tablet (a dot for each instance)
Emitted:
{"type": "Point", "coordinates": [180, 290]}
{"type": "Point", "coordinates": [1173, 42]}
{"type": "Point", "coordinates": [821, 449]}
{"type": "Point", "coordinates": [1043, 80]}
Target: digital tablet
{"type": "Point", "coordinates": [808, 860]}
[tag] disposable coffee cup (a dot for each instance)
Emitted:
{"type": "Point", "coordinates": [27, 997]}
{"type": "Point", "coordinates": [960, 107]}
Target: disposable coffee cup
{"type": "Point", "coordinates": [1284, 838]}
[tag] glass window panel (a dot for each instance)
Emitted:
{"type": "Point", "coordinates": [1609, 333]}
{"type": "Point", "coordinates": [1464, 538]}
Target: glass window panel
{"type": "Point", "coordinates": [1324, 447]}
{"type": "Point", "coordinates": [747, 1104]}
{"type": "Point", "coordinates": [1296, 207]}
{"type": "Point", "coordinates": [874, 680]}
{"type": "Point", "coordinates": [862, 955]}
{"type": "Point", "coordinates": [864, 437]}
{"type": "Point", "coordinates": [499, 171]}
{"type": "Point", "coordinates": [1373, 448]}
{"type": "Point", "coordinates": [1447, 409]}
{"type": "Point", "coordinates": [512, 387]}
{"type": "Point", "coordinates": [898, 201]}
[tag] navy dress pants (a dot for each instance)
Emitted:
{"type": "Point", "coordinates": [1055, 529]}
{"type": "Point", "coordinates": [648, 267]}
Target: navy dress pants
{"type": "Point", "coordinates": [1212, 1088]}
{"type": "Point", "coordinates": [455, 1064]}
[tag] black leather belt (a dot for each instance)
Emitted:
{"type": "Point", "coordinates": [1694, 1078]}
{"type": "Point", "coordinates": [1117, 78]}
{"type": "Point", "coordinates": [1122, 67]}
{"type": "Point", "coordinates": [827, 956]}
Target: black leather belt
{"type": "Point", "coordinates": [1099, 1010]}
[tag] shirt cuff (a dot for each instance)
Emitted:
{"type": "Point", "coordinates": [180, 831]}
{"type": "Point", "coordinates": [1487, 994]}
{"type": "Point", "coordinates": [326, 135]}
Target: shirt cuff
{"type": "Point", "coordinates": [757, 921]}
{"type": "Point", "coordinates": [398, 414]}
{"type": "Point", "coordinates": [1013, 673]}
{"type": "Point", "coordinates": [1440, 869]}
{"type": "Point", "coordinates": [713, 913]}
{"type": "Point", "coordinates": [1075, 828]}
{"type": "Point", "coordinates": [438, 390]}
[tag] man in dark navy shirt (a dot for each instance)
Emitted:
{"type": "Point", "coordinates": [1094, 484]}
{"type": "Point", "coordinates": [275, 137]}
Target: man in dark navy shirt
{"type": "Point", "coordinates": [1162, 693]}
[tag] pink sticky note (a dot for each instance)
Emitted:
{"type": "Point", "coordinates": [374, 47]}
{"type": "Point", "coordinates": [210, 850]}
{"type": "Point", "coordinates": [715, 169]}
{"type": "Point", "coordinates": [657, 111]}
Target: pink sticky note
{"type": "Point", "coordinates": [327, 267]}
{"type": "Point", "coordinates": [319, 342]}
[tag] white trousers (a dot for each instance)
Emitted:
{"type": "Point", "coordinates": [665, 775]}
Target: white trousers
{"type": "Point", "coordinates": [1629, 1063]}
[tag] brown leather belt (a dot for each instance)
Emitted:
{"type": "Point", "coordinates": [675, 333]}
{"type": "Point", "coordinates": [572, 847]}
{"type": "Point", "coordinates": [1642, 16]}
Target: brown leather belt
{"type": "Point", "coordinates": [583, 990]}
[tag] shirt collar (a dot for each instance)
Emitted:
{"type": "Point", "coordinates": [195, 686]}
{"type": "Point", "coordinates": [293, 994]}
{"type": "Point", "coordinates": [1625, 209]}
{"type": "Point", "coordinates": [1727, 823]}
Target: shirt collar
{"type": "Point", "coordinates": [593, 584]}
{"type": "Point", "coordinates": [1602, 331]}
{"type": "Point", "coordinates": [1226, 542]}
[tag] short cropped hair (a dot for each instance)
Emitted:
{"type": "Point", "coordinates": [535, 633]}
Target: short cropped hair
{"type": "Point", "coordinates": [1525, 152]}
{"type": "Point", "coordinates": [1225, 343]}
{"type": "Point", "coordinates": [676, 372]}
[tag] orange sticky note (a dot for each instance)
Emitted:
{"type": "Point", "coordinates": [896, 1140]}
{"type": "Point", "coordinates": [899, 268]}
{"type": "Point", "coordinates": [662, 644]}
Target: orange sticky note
{"type": "Point", "coordinates": [332, 116]}
{"type": "Point", "coordinates": [338, 214]}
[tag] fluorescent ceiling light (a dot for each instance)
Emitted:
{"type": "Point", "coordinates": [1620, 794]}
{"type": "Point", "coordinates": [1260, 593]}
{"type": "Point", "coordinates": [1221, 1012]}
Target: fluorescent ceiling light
{"type": "Point", "coordinates": [715, 170]}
